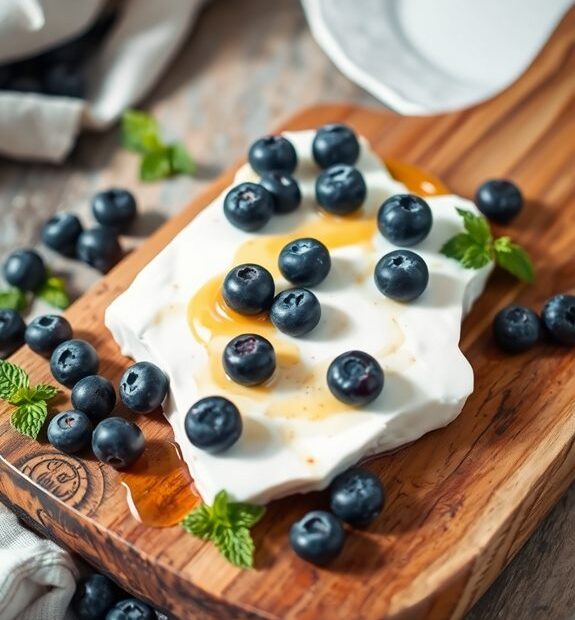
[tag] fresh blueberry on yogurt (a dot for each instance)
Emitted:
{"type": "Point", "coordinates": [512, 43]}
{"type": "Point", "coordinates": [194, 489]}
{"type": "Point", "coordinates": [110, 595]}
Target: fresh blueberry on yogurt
{"type": "Point", "coordinates": [248, 206]}
{"type": "Point", "coordinates": [404, 219]}
{"type": "Point", "coordinates": [401, 275]}
{"type": "Point", "coordinates": [248, 289]}
{"type": "Point", "coordinates": [335, 144]}
{"type": "Point", "coordinates": [304, 262]}
{"type": "Point", "coordinates": [213, 424]}
{"type": "Point", "coordinates": [295, 311]}
{"type": "Point", "coordinates": [340, 189]}
{"type": "Point", "coordinates": [284, 190]}
{"type": "Point", "coordinates": [249, 359]}
{"type": "Point", "coordinates": [355, 378]}
{"type": "Point", "coordinates": [273, 153]}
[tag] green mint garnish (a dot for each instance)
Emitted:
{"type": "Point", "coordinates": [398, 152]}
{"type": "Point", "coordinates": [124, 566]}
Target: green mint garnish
{"type": "Point", "coordinates": [13, 299]}
{"type": "Point", "coordinates": [54, 292]}
{"type": "Point", "coordinates": [476, 247]}
{"type": "Point", "coordinates": [141, 134]}
{"type": "Point", "coordinates": [227, 524]}
{"type": "Point", "coordinates": [31, 402]}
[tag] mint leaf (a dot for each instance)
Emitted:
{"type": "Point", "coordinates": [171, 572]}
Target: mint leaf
{"type": "Point", "coordinates": [456, 246]}
{"type": "Point", "coordinates": [514, 259]}
{"type": "Point", "coordinates": [181, 161]}
{"type": "Point", "coordinates": [227, 525]}
{"type": "Point", "coordinates": [476, 226]}
{"type": "Point", "coordinates": [237, 546]}
{"type": "Point", "coordinates": [29, 418]}
{"type": "Point", "coordinates": [54, 292]}
{"type": "Point", "coordinates": [13, 299]}
{"type": "Point", "coordinates": [21, 396]}
{"type": "Point", "coordinates": [140, 132]}
{"type": "Point", "coordinates": [155, 165]}
{"type": "Point", "coordinates": [43, 391]}
{"type": "Point", "coordinates": [12, 378]}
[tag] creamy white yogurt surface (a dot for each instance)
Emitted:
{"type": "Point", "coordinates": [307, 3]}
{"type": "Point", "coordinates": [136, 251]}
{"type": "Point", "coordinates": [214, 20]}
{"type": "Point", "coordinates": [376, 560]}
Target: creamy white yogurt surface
{"type": "Point", "coordinates": [296, 436]}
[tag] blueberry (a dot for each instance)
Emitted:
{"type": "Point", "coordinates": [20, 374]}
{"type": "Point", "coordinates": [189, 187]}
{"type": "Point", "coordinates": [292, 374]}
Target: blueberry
{"type": "Point", "coordinates": [516, 328]}
{"type": "Point", "coordinates": [295, 311]}
{"type": "Point", "coordinates": [99, 247]}
{"type": "Point", "coordinates": [115, 208]}
{"type": "Point", "coordinates": [94, 596]}
{"type": "Point", "coordinates": [284, 189]}
{"type": "Point", "coordinates": [318, 537]}
{"type": "Point", "coordinates": [70, 431]}
{"type": "Point", "coordinates": [499, 200]}
{"type": "Point", "coordinates": [248, 289]}
{"type": "Point", "coordinates": [46, 332]}
{"type": "Point", "coordinates": [118, 442]}
{"type": "Point", "coordinates": [273, 153]}
{"type": "Point", "coordinates": [73, 360]}
{"type": "Point", "coordinates": [340, 189]}
{"type": "Point", "coordinates": [335, 144]}
{"type": "Point", "coordinates": [64, 80]}
{"type": "Point", "coordinates": [25, 269]}
{"type": "Point", "coordinates": [61, 233]}
{"type": "Point", "coordinates": [304, 262]}
{"type": "Point", "coordinates": [356, 497]}
{"type": "Point", "coordinates": [248, 206]}
{"type": "Point", "coordinates": [131, 609]}
{"type": "Point", "coordinates": [401, 275]}
{"type": "Point", "coordinates": [95, 396]}
{"type": "Point", "coordinates": [404, 219]}
{"type": "Point", "coordinates": [249, 359]}
{"type": "Point", "coordinates": [559, 318]}
{"type": "Point", "coordinates": [213, 424]}
{"type": "Point", "coordinates": [355, 378]}
{"type": "Point", "coordinates": [143, 387]}
{"type": "Point", "coordinates": [12, 329]}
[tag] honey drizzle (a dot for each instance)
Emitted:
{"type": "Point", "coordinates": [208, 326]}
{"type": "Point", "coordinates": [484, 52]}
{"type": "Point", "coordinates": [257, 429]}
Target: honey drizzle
{"type": "Point", "coordinates": [160, 490]}
{"type": "Point", "coordinates": [213, 323]}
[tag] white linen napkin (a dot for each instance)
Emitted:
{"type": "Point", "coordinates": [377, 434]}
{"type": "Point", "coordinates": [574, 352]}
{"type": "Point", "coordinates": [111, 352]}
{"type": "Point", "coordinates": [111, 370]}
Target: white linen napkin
{"type": "Point", "coordinates": [125, 67]}
{"type": "Point", "coordinates": [37, 578]}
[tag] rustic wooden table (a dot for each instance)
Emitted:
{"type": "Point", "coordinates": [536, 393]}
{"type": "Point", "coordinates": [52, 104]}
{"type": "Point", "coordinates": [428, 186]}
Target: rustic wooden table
{"type": "Point", "coordinates": [246, 66]}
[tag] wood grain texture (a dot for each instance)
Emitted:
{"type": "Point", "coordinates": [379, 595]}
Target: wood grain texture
{"type": "Point", "coordinates": [480, 486]}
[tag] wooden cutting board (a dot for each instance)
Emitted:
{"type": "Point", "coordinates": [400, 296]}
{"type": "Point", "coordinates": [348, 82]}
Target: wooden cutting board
{"type": "Point", "coordinates": [462, 500]}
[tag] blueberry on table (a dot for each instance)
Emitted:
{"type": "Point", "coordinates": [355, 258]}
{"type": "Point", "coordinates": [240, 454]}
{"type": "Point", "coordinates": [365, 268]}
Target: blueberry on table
{"type": "Point", "coordinates": [335, 144]}
{"type": "Point", "coordinates": [64, 80]}
{"type": "Point", "coordinates": [404, 219]}
{"type": "Point", "coordinates": [131, 609]}
{"type": "Point", "coordinates": [273, 153]}
{"type": "Point", "coordinates": [73, 360]}
{"type": "Point", "coordinates": [340, 189]}
{"type": "Point", "coordinates": [25, 269]}
{"type": "Point", "coordinates": [401, 275]}
{"type": "Point", "coordinates": [95, 595]}
{"type": "Point", "coordinates": [248, 289]}
{"type": "Point", "coordinates": [318, 537]}
{"type": "Point", "coordinates": [516, 328]}
{"type": "Point", "coordinates": [70, 431]}
{"type": "Point", "coordinates": [248, 206]}
{"type": "Point", "coordinates": [99, 247]}
{"type": "Point", "coordinates": [559, 318]}
{"type": "Point", "coordinates": [115, 208]}
{"type": "Point", "coordinates": [355, 378]}
{"type": "Point", "coordinates": [95, 396]}
{"type": "Point", "coordinates": [284, 190]}
{"type": "Point", "coordinates": [304, 262]}
{"type": "Point", "coordinates": [249, 359]}
{"type": "Point", "coordinates": [356, 497]}
{"type": "Point", "coordinates": [46, 332]}
{"type": "Point", "coordinates": [213, 424]}
{"type": "Point", "coordinates": [12, 329]}
{"type": "Point", "coordinates": [499, 200]}
{"type": "Point", "coordinates": [61, 232]}
{"type": "Point", "coordinates": [118, 442]}
{"type": "Point", "coordinates": [295, 311]}
{"type": "Point", "coordinates": [143, 387]}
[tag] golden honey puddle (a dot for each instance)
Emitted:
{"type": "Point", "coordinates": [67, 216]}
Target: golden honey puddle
{"type": "Point", "coordinates": [159, 487]}
{"type": "Point", "coordinates": [213, 324]}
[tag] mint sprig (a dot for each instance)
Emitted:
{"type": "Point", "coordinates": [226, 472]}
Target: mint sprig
{"type": "Point", "coordinates": [141, 134]}
{"type": "Point", "coordinates": [227, 524]}
{"type": "Point", "coordinates": [31, 402]}
{"type": "Point", "coordinates": [13, 299]}
{"type": "Point", "coordinates": [54, 293]}
{"type": "Point", "coordinates": [476, 247]}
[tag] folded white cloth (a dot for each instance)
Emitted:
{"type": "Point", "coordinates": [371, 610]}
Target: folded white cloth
{"type": "Point", "coordinates": [37, 578]}
{"type": "Point", "coordinates": [125, 67]}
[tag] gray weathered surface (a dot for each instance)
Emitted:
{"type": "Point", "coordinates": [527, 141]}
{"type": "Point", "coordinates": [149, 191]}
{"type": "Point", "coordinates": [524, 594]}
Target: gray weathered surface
{"type": "Point", "coordinates": [248, 65]}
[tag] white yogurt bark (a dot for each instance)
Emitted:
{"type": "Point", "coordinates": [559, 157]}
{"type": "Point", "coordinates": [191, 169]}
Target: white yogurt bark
{"type": "Point", "coordinates": [296, 436]}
